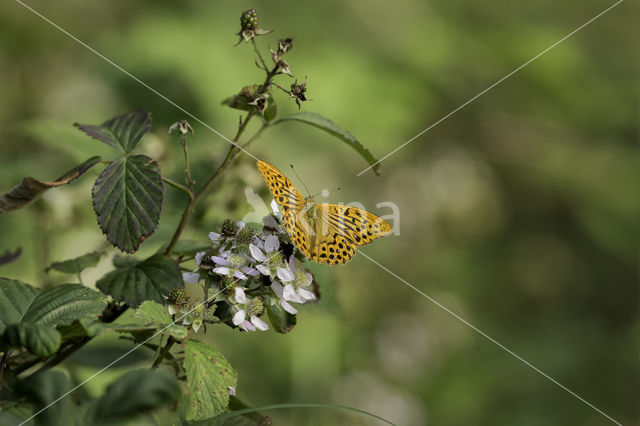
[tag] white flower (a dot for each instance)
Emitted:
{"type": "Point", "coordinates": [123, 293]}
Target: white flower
{"type": "Point", "coordinates": [242, 305]}
{"type": "Point", "coordinates": [215, 237]}
{"type": "Point", "coordinates": [266, 253]}
{"type": "Point", "coordinates": [293, 286]}
{"type": "Point", "coordinates": [232, 265]}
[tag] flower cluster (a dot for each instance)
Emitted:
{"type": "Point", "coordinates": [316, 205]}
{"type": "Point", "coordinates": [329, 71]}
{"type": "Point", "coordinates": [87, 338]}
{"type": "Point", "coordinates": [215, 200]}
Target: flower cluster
{"type": "Point", "coordinates": [251, 269]}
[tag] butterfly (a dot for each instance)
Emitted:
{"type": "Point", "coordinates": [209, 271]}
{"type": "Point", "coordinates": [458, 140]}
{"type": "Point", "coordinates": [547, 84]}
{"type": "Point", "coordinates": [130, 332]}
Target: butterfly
{"type": "Point", "coordinates": [325, 233]}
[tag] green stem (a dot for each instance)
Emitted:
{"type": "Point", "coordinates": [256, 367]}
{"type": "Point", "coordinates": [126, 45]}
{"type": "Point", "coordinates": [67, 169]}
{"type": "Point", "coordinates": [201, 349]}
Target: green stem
{"type": "Point", "coordinates": [228, 159]}
{"type": "Point", "coordinates": [5, 357]}
{"type": "Point", "coordinates": [244, 411]}
{"type": "Point", "coordinates": [190, 181]}
{"type": "Point", "coordinates": [163, 352]}
{"type": "Point", "coordinates": [63, 354]}
{"type": "Point", "coordinates": [255, 46]}
{"type": "Point", "coordinates": [179, 186]}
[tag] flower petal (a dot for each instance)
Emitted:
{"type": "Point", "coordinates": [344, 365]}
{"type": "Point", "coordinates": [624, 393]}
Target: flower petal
{"type": "Point", "coordinates": [199, 257]}
{"type": "Point", "coordinates": [222, 270]}
{"type": "Point", "coordinates": [261, 325]}
{"type": "Point", "coordinates": [285, 275]}
{"type": "Point", "coordinates": [248, 326]}
{"type": "Point", "coordinates": [239, 275]}
{"type": "Point", "coordinates": [232, 391]}
{"type": "Point", "coordinates": [292, 264]}
{"type": "Point", "coordinates": [309, 279]}
{"type": "Point", "coordinates": [239, 296]}
{"type": "Point", "coordinates": [239, 317]}
{"type": "Point", "coordinates": [264, 269]}
{"type": "Point", "coordinates": [220, 260]}
{"type": "Point", "coordinates": [240, 225]}
{"type": "Point", "coordinates": [306, 294]}
{"type": "Point", "coordinates": [214, 236]}
{"type": "Point", "coordinates": [274, 208]}
{"type": "Point", "coordinates": [289, 293]}
{"type": "Point", "coordinates": [250, 271]}
{"type": "Point", "coordinates": [191, 277]}
{"type": "Point", "coordinates": [277, 288]}
{"type": "Point", "coordinates": [287, 307]}
{"type": "Point", "coordinates": [271, 243]}
{"type": "Point", "coordinates": [257, 253]}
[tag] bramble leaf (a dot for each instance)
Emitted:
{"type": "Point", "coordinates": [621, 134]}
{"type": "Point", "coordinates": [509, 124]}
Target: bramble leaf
{"type": "Point", "coordinates": [132, 394]}
{"type": "Point", "coordinates": [154, 313]}
{"type": "Point", "coordinates": [123, 132]}
{"type": "Point", "coordinates": [45, 388]}
{"type": "Point", "coordinates": [64, 304]}
{"type": "Point", "coordinates": [15, 298]}
{"type": "Point", "coordinates": [209, 376]}
{"type": "Point", "coordinates": [41, 340]}
{"type": "Point", "coordinates": [323, 123]}
{"type": "Point", "coordinates": [134, 281]}
{"type": "Point", "coordinates": [127, 198]}
{"type": "Point", "coordinates": [30, 189]}
{"type": "Point", "coordinates": [76, 265]}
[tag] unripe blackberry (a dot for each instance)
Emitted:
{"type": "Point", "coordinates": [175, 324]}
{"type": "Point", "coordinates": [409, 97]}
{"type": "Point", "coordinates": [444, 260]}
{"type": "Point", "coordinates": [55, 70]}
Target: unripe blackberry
{"type": "Point", "coordinates": [178, 297]}
{"type": "Point", "coordinates": [245, 235]}
{"type": "Point", "coordinates": [228, 228]}
{"type": "Point", "coordinates": [249, 20]}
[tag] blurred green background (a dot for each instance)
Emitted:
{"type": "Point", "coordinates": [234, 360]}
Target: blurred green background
{"type": "Point", "coordinates": [519, 212]}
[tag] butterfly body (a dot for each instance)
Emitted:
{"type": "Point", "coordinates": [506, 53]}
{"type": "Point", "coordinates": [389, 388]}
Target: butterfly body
{"type": "Point", "coordinates": [325, 233]}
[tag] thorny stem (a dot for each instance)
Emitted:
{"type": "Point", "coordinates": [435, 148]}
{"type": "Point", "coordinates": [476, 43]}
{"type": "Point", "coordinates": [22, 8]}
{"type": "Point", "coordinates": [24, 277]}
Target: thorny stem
{"type": "Point", "coordinates": [234, 150]}
{"type": "Point", "coordinates": [255, 46]}
{"type": "Point", "coordinates": [163, 352]}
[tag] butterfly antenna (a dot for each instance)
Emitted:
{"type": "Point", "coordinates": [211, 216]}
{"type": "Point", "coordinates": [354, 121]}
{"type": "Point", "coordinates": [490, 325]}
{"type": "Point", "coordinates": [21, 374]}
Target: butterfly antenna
{"type": "Point", "coordinates": [301, 181]}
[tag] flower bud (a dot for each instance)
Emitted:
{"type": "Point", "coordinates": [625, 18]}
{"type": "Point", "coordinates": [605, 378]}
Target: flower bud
{"type": "Point", "coordinates": [181, 126]}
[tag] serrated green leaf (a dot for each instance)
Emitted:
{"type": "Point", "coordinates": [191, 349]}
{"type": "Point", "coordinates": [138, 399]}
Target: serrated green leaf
{"type": "Point", "coordinates": [323, 123]}
{"type": "Point", "coordinates": [64, 304]}
{"type": "Point", "coordinates": [41, 340]}
{"type": "Point", "coordinates": [281, 320]}
{"type": "Point", "coordinates": [91, 328]}
{"type": "Point", "coordinates": [127, 199]}
{"type": "Point", "coordinates": [44, 388]}
{"type": "Point", "coordinates": [209, 376]}
{"type": "Point", "coordinates": [30, 189]}
{"type": "Point", "coordinates": [123, 132]}
{"type": "Point", "coordinates": [154, 313]}
{"type": "Point", "coordinates": [77, 264]}
{"type": "Point", "coordinates": [151, 279]}
{"type": "Point", "coordinates": [132, 394]}
{"type": "Point", "coordinates": [15, 298]}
